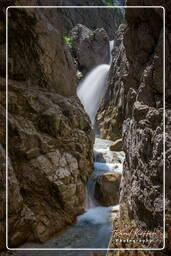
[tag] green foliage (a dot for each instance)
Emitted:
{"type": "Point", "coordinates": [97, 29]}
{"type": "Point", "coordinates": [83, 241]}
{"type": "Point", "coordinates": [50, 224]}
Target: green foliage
{"type": "Point", "coordinates": [109, 3]}
{"type": "Point", "coordinates": [118, 11]}
{"type": "Point", "coordinates": [92, 32]}
{"type": "Point", "coordinates": [68, 40]}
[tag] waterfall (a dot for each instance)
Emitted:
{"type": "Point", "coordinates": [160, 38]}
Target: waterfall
{"type": "Point", "coordinates": [92, 89]}
{"type": "Point", "coordinates": [90, 189]}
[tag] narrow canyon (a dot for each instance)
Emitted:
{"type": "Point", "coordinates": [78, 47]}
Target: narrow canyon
{"type": "Point", "coordinates": [85, 141]}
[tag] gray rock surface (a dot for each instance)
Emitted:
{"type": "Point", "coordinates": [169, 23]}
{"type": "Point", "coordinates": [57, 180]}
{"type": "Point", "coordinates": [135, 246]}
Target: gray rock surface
{"type": "Point", "coordinates": [93, 18]}
{"type": "Point", "coordinates": [90, 48]}
{"type": "Point", "coordinates": [112, 107]}
{"type": "Point", "coordinates": [140, 95]}
{"type": "Point", "coordinates": [50, 136]}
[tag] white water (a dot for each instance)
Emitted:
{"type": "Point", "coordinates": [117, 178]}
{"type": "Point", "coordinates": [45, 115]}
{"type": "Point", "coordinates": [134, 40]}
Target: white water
{"type": "Point", "coordinates": [96, 215]}
{"type": "Point", "coordinates": [106, 161]}
{"type": "Point", "coordinates": [93, 228]}
{"type": "Point", "coordinates": [92, 89]}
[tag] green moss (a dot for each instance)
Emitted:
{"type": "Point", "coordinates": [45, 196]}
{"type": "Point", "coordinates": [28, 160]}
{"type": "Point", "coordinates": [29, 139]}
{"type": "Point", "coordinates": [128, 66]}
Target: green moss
{"type": "Point", "coordinates": [68, 40]}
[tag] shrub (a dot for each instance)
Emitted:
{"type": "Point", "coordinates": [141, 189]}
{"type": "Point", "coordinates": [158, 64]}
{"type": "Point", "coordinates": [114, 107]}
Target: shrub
{"type": "Point", "coordinates": [68, 41]}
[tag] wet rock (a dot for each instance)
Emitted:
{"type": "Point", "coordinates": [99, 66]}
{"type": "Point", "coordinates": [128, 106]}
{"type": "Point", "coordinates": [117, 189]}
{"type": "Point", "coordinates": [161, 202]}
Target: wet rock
{"type": "Point", "coordinates": [117, 145]}
{"type": "Point", "coordinates": [99, 157]}
{"type": "Point", "coordinates": [90, 47]}
{"type": "Point", "coordinates": [107, 189]}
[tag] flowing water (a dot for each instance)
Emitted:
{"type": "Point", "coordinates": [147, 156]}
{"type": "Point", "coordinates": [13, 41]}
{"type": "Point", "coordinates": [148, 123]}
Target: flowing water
{"type": "Point", "coordinates": [92, 89]}
{"type": "Point", "coordinates": [93, 228]}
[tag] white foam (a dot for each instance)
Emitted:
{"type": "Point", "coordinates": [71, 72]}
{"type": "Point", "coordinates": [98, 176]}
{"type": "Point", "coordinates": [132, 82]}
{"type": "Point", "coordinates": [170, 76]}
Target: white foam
{"type": "Point", "coordinates": [97, 215]}
{"type": "Point", "coordinates": [92, 90]}
{"type": "Point", "coordinates": [108, 167]}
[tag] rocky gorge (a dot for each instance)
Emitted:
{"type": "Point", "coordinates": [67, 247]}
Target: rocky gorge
{"type": "Point", "coordinates": [54, 156]}
{"type": "Point", "coordinates": [48, 131]}
{"type": "Point", "coordinates": [135, 93]}
{"type": "Point", "coordinates": [51, 152]}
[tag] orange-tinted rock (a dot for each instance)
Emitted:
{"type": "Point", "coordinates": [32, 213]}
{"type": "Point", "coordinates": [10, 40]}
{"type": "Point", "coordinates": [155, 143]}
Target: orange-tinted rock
{"type": "Point", "coordinates": [107, 189]}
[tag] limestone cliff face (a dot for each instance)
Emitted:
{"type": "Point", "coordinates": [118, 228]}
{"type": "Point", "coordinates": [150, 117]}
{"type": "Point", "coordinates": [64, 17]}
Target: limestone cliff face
{"type": "Point", "coordinates": [139, 99]}
{"type": "Point", "coordinates": [50, 137]}
{"type": "Point", "coordinates": [93, 18]}
{"type": "Point", "coordinates": [111, 112]}
{"type": "Point", "coordinates": [89, 48]}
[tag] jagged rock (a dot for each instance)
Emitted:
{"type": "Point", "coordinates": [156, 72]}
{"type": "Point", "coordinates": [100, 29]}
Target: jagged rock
{"type": "Point", "coordinates": [141, 196]}
{"type": "Point", "coordinates": [90, 48]}
{"type": "Point", "coordinates": [109, 19]}
{"type": "Point", "coordinates": [117, 145]}
{"type": "Point", "coordinates": [50, 136]}
{"type": "Point", "coordinates": [107, 189]}
{"type": "Point", "coordinates": [111, 112]}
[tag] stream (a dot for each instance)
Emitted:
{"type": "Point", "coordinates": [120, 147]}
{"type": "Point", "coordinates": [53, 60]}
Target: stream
{"type": "Point", "coordinates": [93, 228]}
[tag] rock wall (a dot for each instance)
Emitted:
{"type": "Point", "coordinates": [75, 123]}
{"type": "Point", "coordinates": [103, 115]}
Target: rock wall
{"type": "Point", "coordinates": [111, 112]}
{"type": "Point", "coordinates": [50, 136]}
{"type": "Point", "coordinates": [89, 48]}
{"type": "Point", "coordinates": [93, 18]}
{"type": "Point", "coordinates": [139, 92]}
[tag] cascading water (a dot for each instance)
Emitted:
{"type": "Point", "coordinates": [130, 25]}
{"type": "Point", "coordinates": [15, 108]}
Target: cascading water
{"type": "Point", "coordinates": [92, 90]}
{"type": "Point", "coordinates": [97, 219]}
{"type": "Point", "coordinates": [93, 228]}
{"type": "Point", "coordinates": [93, 87]}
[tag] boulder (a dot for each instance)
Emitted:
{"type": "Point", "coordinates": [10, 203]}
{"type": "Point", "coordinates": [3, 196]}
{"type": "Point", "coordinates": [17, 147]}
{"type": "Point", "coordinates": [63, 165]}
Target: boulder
{"type": "Point", "coordinates": [117, 145]}
{"type": "Point", "coordinates": [90, 47]}
{"type": "Point", "coordinates": [107, 188]}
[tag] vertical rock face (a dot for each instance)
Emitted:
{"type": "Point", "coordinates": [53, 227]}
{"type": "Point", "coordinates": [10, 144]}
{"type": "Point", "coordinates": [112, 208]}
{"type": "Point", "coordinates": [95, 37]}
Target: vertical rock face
{"type": "Point", "coordinates": [90, 48]}
{"type": "Point", "coordinates": [111, 112]}
{"type": "Point", "coordinates": [93, 18]}
{"type": "Point", "coordinates": [140, 94]}
{"type": "Point", "coordinates": [50, 136]}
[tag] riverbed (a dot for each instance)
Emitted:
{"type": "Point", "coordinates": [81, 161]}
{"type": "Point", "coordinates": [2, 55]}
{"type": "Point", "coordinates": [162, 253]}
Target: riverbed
{"type": "Point", "coordinates": [93, 228]}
